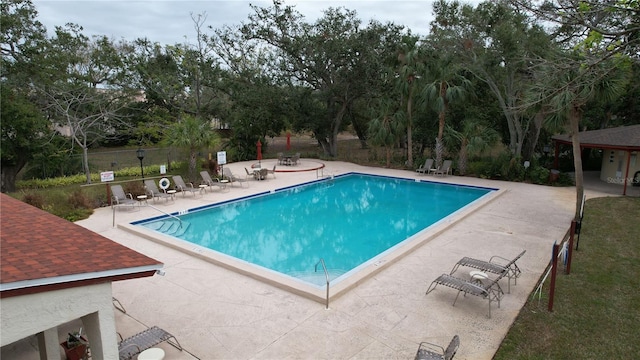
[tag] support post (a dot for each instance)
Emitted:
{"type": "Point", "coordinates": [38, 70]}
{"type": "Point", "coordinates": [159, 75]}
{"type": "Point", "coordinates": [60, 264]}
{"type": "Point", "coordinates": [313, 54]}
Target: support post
{"type": "Point", "coordinates": [570, 247]}
{"type": "Point", "coordinates": [554, 270]}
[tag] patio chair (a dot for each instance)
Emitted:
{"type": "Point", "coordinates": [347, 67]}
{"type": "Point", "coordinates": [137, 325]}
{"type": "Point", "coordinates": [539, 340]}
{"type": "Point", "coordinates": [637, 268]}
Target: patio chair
{"type": "Point", "coordinates": [429, 351]}
{"type": "Point", "coordinates": [272, 172]}
{"type": "Point", "coordinates": [294, 159]}
{"type": "Point", "coordinates": [226, 172]}
{"type": "Point", "coordinates": [490, 291]}
{"type": "Point", "coordinates": [507, 268]}
{"type": "Point", "coordinates": [120, 198]}
{"type": "Point", "coordinates": [426, 167]}
{"type": "Point", "coordinates": [183, 187]}
{"type": "Point", "coordinates": [445, 169]}
{"type": "Point", "coordinates": [134, 345]}
{"type": "Point", "coordinates": [280, 158]}
{"type": "Point", "coordinates": [153, 191]}
{"type": "Point", "coordinates": [206, 179]}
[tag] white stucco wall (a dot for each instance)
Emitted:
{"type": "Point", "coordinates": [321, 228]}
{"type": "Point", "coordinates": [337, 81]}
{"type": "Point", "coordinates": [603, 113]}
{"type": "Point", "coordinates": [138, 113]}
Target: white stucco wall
{"type": "Point", "coordinates": [27, 315]}
{"type": "Point", "coordinates": [614, 166]}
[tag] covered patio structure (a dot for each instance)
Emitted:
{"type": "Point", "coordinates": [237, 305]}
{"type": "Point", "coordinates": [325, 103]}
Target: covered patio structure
{"type": "Point", "coordinates": [52, 272]}
{"type": "Point", "coordinates": [620, 148]}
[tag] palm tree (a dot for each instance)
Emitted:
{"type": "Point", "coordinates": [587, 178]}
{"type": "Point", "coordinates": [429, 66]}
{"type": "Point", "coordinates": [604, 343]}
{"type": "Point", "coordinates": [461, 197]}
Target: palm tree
{"type": "Point", "coordinates": [473, 139]}
{"type": "Point", "coordinates": [386, 129]}
{"type": "Point", "coordinates": [566, 86]}
{"type": "Point", "coordinates": [410, 66]}
{"type": "Point", "coordinates": [448, 85]}
{"type": "Point", "coordinates": [192, 133]}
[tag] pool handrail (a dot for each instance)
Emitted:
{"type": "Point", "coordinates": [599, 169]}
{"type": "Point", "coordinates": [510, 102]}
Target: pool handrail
{"type": "Point", "coordinates": [326, 275]}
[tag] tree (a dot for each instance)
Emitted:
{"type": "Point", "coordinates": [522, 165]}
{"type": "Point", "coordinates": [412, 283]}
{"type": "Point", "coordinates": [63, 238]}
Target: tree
{"type": "Point", "coordinates": [496, 44]}
{"type": "Point", "coordinates": [24, 129]}
{"type": "Point", "coordinates": [599, 40]}
{"type": "Point", "coordinates": [73, 98]}
{"type": "Point", "coordinates": [194, 134]}
{"type": "Point", "coordinates": [445, 83]}
{"type": "Point", "coordinates": [335, 57]}
{"type": "Point", "coordinates": [386, 129]}
{"type": "Point", "coordinates": [474, 138]}
{"type": "Point", "coordinates": [411, 65]}
{"type": "Point", "coordinates": [567, 85]}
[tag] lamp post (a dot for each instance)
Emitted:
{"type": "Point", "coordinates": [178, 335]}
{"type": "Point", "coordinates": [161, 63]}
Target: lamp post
{"type": "Point", "coordinates": [140, 155]}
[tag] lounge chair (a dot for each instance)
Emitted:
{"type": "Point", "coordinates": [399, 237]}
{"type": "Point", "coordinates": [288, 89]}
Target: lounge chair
{"type": "Point", "coordinates": [120, 198]}
{"type": "Point", "coordinates": [183, 187]}
{"type": "Point", "coordinates": [429, 351]}
{"type": "Point", "coordinates": [272, 172]}
{"type": "Point", "coordinates": [490, 291]}
{"type": "Point", "coordinates": [206, 179]}
{"type": "Point", "coordinates": [445, 169]}
{"type": "Point", "coordinates": [426, 167]}
{"type": "Point", "coordinates": [226, 172]}
{"type": "Point", "coordinates": [154, 192]}
{"type": "Point", "coordinates": [508, 268]}
{"type": "Point", "coordinates": [132, 346]}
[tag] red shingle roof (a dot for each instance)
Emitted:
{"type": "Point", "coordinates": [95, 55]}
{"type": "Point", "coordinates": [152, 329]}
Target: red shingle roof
{"type": "Point", "coordinates": [40, 249]}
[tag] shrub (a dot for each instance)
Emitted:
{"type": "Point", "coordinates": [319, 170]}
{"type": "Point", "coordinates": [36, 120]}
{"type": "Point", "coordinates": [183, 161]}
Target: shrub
{"type": "Point", "coordinates": [34, 199]}
{"type": "Point", "coordinates": [78, 200]}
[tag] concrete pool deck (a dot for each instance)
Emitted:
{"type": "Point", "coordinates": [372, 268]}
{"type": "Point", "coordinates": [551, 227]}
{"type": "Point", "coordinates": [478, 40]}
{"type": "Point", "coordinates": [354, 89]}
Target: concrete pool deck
{"type": "Point", "coordinates": [218, 314]}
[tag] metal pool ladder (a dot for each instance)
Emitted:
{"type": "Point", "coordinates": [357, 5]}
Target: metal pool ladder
{"type": "Point", "coordinates": [326, 275]}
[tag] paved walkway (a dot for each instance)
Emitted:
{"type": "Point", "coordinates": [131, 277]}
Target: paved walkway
{"type": "Point", "coordinates": [218, 314]}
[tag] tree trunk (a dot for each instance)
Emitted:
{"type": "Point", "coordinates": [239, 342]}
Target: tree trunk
{"type": "Point", "coordinates": [388, 148]}
{"type": "Point", "coordinates": [574, 120]}
{"type": "Point", "coordinates": [534, 134]}
{"type": "Point", "coordinates": [85, 163]}
{"type": "Point", "coordinates": [409, 126]}
{"type": "Point", "coordinates": [462, 158]}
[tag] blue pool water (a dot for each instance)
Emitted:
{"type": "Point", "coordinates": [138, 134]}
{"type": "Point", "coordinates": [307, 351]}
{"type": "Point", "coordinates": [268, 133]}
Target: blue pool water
{"type": "Point", "coordinates": [346, 221]}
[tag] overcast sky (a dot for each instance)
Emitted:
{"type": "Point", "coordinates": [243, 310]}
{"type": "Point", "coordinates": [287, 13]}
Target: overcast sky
{"type": "Point", "coordinates": [169, 21]}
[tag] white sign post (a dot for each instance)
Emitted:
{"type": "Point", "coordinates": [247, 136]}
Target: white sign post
{"type": "Point", "coordinates": [222, 159]}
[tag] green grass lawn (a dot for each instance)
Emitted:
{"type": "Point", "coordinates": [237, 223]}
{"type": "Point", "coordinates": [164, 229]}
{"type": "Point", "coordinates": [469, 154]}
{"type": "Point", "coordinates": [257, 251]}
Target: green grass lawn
{"type": "Point", "coordinates": [596, 313]}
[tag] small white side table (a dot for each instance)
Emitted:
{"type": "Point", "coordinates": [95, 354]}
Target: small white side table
{"type": "Point", "coordinates": [172, 193]}
{"type": "Point", "coordinates": [151, 354]}
{"type": "Point", "coordinates": [141, 199]}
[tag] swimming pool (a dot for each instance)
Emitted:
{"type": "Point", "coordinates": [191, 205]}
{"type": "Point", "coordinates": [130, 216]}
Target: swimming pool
{"type": "Point", "coordinates": [350, 221]}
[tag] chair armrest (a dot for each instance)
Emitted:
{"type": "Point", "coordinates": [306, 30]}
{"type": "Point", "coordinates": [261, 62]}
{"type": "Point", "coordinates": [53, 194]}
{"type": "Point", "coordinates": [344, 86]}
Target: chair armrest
{"type": "Point", "coordinates": [498, 257]}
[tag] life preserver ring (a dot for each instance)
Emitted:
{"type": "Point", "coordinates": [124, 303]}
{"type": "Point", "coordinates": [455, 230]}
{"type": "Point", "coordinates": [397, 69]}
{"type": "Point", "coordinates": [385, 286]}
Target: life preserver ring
{"type": "Point", "coordinates": [164, 183]}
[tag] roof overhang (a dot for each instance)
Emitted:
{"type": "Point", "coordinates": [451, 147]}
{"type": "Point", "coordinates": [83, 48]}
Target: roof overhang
{"type": "Point", "coordinates": [26, 287]}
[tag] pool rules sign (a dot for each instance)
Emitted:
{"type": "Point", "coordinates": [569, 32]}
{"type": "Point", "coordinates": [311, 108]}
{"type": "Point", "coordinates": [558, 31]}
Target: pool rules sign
{"type": "Point", "coordinates": [222, 157]}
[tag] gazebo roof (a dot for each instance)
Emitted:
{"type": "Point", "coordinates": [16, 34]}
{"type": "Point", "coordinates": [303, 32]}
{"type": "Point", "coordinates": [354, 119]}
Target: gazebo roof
{"type": "Point", "coordinates": [41, 252]}
{"type": "Point", "coordinates": [619, 138]}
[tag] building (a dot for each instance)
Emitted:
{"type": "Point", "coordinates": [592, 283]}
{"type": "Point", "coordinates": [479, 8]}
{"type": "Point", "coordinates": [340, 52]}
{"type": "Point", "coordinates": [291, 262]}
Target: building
{"type": "Point", "coordinates": [620, 147]}
{"type": "Point", "coordinates": [53, 271]}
